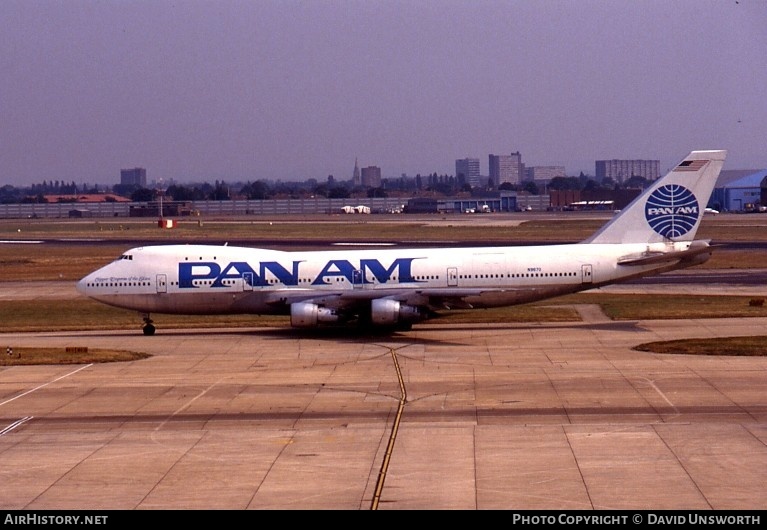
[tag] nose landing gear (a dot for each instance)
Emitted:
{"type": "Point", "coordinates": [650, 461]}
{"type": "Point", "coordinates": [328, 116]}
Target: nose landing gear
{"type": "Point", "coordinates": [148, 328]}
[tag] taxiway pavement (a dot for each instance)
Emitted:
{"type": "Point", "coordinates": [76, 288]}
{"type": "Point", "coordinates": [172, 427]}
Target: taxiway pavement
{"type": "Point", "coordinates": [513, 416]}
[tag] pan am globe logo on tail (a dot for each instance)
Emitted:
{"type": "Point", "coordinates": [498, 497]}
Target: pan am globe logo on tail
{"type": "Point", "coordinates": [672, 210]}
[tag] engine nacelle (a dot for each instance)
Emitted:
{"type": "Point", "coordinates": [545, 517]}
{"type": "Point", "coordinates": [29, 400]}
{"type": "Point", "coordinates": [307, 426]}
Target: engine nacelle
{"type": "Point", "coordinates": [386, 312]}
{"type": "Point", "coordinates": [308, 315]}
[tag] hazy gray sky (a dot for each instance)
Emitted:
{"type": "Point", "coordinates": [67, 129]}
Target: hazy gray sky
{"type": "Point", "coordinates": [281, 89]}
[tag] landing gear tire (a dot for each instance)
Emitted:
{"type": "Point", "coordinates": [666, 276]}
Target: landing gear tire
{"type": "Point", "coordinates": [148, 328]}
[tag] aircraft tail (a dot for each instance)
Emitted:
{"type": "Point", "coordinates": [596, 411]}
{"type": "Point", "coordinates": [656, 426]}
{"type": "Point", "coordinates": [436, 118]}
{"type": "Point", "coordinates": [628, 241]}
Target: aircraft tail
{"type": "Point", "coordinates": [672, 208]}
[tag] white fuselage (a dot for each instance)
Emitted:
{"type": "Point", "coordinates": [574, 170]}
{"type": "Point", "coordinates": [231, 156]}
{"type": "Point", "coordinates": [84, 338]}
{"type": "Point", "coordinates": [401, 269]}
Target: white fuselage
{"type": "Point", "coordinates": [203, 279]}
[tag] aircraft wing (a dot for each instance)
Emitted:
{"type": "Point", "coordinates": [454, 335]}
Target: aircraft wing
{"type": "Point", "coordinates": [434, 298]}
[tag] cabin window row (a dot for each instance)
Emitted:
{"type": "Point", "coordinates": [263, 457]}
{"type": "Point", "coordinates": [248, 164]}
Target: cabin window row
{"type": "Point", "coordinates": [120, 284]}
{"type": "Point", "coordinates": [519, 275]}
{"type": "Point", "coordinates": [340, 279]}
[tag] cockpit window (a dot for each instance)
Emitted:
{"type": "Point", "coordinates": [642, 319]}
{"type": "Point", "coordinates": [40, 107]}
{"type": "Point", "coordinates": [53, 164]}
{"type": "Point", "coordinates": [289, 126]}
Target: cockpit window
{"type": "Point", "coordinates": [125, 256]}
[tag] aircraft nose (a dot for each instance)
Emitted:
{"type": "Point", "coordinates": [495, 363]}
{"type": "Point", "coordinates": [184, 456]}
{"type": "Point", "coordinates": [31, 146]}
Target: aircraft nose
{"type": "Point", "coordinates": [81, 285]}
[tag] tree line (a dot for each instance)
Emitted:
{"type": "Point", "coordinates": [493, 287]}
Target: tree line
{"type": "Point", "coordinates": [433, 184]}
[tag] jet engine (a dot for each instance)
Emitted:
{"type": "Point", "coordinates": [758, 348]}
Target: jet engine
{"type": "Point", "coordinates": [386, 312]}
{"type": "Point", "coordinates": [308, 315]}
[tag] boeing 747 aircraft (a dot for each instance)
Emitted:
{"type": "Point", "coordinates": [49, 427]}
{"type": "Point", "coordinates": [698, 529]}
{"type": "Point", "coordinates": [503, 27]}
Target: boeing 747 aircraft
{"type": "Point", "coordinates": [395, 288]}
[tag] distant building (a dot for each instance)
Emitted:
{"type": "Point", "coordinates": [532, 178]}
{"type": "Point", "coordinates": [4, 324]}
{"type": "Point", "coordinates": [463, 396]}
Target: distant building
{"type": "Point", "coordinates": [469, 168]}
{"type": "Point", "coordinates": [133, 177]}
{"type": "Point", "coordinates": [506, 169]}
{"type": "Point", "coordinates": [79, 213]}
{"type": "Point", "coordinates": [371, 177]}
{"type": "Point", "coordinates": [503, 201]}
{"type": "Point", "coordinates": [544, 173]}
{"type": "Point", "coordinates": [591, 200]}
{"type": "Point", "coordinates": [356, 177]}
{"type": "Point", "coordinates": [86, 197]}
{"type": "Point", "coordinates": [169, 209]}
{"type": "Point", "coordinates": [736, 192]}
{"type": "Point", "coordinates": [622, 170]}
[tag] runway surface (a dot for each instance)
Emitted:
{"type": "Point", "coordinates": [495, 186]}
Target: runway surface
{"type": "Point", "coordinates": [507, 416]}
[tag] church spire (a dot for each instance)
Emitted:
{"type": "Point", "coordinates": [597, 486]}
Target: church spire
{"type": "Point", "coordinates": [356, 180]}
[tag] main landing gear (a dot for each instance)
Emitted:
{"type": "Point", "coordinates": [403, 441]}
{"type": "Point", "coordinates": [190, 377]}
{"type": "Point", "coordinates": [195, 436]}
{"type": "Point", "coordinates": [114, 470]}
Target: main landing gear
{"type": "Point", "coordinates": [148, 328]}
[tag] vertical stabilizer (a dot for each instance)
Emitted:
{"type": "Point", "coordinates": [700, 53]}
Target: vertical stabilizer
{"type": "Point", "coordinates": [672, 208]}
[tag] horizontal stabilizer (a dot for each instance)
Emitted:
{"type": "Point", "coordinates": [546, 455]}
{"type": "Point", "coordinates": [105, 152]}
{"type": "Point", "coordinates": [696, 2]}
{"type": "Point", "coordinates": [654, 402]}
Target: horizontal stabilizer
{"type": "Point", "coordinates": [649, 258]}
